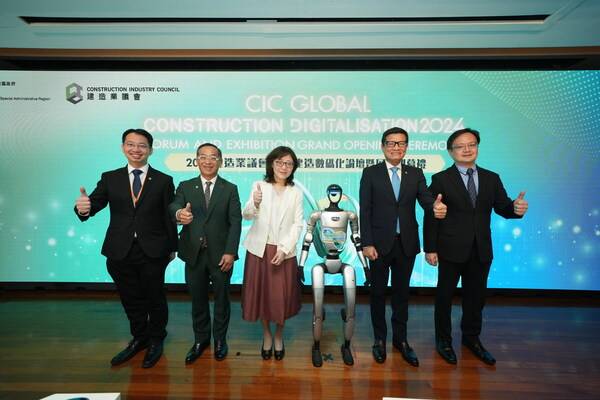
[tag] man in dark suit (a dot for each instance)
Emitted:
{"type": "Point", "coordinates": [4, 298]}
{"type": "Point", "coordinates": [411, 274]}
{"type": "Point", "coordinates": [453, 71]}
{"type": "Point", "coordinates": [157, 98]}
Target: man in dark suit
{"type": "Point", "coordinates": [388, 226]}
{"type": "Point", "coordinates": [209, 209]}
{"type": "Point", "coordinates": [462, 242]}
{"type": "Point", "coordinates": [140, 242]}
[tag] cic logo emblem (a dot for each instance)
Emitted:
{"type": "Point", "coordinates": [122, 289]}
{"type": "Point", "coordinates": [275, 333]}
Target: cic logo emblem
{"type": "Point", "coordinates": [73, 93]}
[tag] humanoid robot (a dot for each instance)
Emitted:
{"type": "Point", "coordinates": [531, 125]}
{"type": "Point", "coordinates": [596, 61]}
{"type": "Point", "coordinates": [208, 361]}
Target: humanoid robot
{"type": "Point", "coordinates": [333, 225]}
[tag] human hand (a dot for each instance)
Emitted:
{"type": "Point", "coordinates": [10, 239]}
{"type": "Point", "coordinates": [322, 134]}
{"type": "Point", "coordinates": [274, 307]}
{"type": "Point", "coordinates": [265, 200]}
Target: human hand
{"type": "Point", "coordinates": [185, 214]}
{"type": "Point", "coordinates": [520, 204]}
{"type": "Point", "coordinates": [278, 258]}
{"type": "Point", "coordinates": [370, 252]}
{"type": "Point", "coordinates": [226, 262]}
{"type": "Point", "coordinates": [83, 203]}
{"type": "Point", "coordinates": [257, 196]}
{"type": "Point", "coordinates": [432, 259]}
{"type": "Point", "coordinates": [439, 208]}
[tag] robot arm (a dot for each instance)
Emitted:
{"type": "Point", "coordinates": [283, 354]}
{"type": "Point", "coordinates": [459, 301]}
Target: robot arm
{"type": "Point", "coordinates": [358, 246]}
{"type": "Point", "coordinates": [308, 239]}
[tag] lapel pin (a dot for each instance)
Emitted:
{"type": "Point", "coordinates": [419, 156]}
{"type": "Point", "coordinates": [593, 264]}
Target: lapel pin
{"type": "Point", "coordinates": [196, 187]}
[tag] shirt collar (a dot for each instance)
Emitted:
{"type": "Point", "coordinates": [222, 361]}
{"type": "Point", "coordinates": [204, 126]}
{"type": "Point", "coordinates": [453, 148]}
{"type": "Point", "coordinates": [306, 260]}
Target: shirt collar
{"type": "Point", "coordinates": [144, 169]}
{"type": "Point", "coordinates": [463, 170]}
{"type": "Point", "coordinates": [204, 180]}
{"type": "Point", "coordinates": [389, 166]}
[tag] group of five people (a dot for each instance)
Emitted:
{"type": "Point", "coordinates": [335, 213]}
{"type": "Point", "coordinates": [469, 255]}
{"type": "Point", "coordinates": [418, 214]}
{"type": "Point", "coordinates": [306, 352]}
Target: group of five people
{"type": "Point", "coordinates": [142, 239]}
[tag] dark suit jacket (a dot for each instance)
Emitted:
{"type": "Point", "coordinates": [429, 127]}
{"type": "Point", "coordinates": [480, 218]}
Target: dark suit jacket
{"type": "Point", "coordinates": [452, 238]}
{"type": "Point", "coordinates": [379, 209]}
{"type": "Point", "coordinates": [220, 225]}
{"type": "Point", "coordinates": [156, 232]}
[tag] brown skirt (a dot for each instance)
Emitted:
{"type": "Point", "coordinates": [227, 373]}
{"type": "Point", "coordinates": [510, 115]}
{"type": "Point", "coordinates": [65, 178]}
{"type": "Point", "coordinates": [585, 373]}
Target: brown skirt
{"type": "Point", "coordinates": [270, 292]}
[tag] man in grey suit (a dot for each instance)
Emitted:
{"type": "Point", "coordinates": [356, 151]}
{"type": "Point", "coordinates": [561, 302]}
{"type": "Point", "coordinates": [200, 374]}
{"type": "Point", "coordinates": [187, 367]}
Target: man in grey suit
{"type": "Point", "coordinates": [209, 209]}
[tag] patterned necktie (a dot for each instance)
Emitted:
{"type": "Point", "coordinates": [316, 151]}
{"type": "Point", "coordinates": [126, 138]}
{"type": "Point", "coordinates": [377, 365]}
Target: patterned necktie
{"type": "Point", "coordinates": [207, 193]}
{"type": "Point", "coordinates": [396, 187]}
{"type": "Point", "coordinates": [137, 182]}
{"type": "Point", "coordinates": [471, 187]}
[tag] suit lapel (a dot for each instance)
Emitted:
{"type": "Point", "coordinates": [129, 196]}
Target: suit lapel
{"type": "Point", "coordinates": [215, 197]}
{"type": "Point", "coordinates": [123, 182]}
{"type": "Point", "coordinates": [384, 178]}
{"type": "Point", "coordinates": [403, 181]}
{"type": "Point", "coordinates": [148, 184]}
{"type": "Point", "coordinates": [455, 175]}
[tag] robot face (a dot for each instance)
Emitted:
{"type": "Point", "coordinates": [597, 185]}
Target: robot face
{"type": "Point", "coordinates": [334, 193]}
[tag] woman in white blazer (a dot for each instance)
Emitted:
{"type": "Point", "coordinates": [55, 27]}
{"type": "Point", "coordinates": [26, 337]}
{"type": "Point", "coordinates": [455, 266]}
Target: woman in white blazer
{"type": "Point", "coordinates": [271, 289]}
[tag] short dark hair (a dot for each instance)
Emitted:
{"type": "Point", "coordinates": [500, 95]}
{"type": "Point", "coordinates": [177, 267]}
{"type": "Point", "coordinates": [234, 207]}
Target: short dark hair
{"type": "Point", "coordinates": [459, 132]}
{"type": "Point", "coordinates": [211, 145]}
{"type": "Point", "coordinates": [276, 154]}
{"type": "Point", "coordinates": [138, 131]}
{"type": "Point", "coordinates": [391, 131]}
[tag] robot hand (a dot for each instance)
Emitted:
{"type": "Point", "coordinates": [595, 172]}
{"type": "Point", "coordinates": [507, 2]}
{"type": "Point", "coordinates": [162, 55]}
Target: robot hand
{"type": "Point", "coordinates": [367, 277]}
{"type": "Point", "coordinates": [300, 272]}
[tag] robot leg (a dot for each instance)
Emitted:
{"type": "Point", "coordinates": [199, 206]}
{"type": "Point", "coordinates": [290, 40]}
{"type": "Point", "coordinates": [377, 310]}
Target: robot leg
{"type": "Point", "coordinates": [348, 312]}
{"type": "Point", "coordinates": [318, 285]}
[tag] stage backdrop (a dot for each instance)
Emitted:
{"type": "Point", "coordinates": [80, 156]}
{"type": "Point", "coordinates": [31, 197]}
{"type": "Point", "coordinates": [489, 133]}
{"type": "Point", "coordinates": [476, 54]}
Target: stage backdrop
{"type": "Point", "coordinates": [539, 130]}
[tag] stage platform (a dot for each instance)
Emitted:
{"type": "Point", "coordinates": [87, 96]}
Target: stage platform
{"type": "Point", "coordinates": [62, 342]}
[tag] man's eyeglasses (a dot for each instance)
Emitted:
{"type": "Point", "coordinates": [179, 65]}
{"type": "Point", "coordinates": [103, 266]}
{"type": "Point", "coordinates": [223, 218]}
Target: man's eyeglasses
{"type": "Point", "coordinates": [286, 164]}
{"type": "Point", "coordinates": [462, 147]}
{"type": "Point", "coordinates": [204, 158]}
{"type": "Point", "coordinates": [400, 143]}
{"type": "Point", "coordinates": [140, 146]}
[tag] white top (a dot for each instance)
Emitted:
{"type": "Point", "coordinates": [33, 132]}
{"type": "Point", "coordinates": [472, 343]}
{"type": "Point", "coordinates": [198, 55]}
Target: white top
{"type": "Point", "coordinates": [275, 224]}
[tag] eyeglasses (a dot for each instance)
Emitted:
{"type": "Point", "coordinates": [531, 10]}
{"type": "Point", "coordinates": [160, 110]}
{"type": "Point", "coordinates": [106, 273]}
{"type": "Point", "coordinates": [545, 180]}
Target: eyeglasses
{"type": "Point", "coordinates": [204, 158]}
{"type": "Point", "coordinates": [140, 146]}
{"type": "Point", "coordinates": [286, 164]}
{"type": "Point", "coordinates": [468, 146]}
{"type": "Point", "coordinates": [391, 144]}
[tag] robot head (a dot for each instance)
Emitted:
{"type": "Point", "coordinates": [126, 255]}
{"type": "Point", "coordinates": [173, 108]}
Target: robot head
{"type": "Point", "coordinates": [334, 194]}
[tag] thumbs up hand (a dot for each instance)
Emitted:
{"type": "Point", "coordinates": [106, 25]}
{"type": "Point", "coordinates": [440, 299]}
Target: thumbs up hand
{"type": "Point", "coordinates": [439, 208]}
{"type": "Point", "coordinates": [520, 204]}
{"type": "Point", "coordinates": [185, 215]}
{"type": "Point", "coordinates": [257, 196]}
{"type": "Point", "coordinates": [83, 203]}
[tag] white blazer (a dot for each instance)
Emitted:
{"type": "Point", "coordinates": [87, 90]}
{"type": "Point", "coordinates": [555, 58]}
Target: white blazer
{"type": "Point", "coordinates": [288, 228]}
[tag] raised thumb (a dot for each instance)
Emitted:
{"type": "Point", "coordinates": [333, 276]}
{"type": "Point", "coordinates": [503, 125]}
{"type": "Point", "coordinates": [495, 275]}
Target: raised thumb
{"type": "Point", "coordinates": [521, 196]}
{"type": "Point", "coordinates": [188, 207]}
{"type": "Point", "coordinates": [82, 191]}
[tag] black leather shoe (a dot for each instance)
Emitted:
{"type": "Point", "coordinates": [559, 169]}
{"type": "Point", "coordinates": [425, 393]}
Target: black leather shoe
{"type": "Point", "coordinates": [347, 355]}
{"type": "Point", "coordinates": [444, 349]}
{"type": "Point", "coordinates": [279, 354]}
{"type": "Point", "coordinates": [266, 354]}
{"type": "Point", "coordinates": [220, 350]}
{"type": "Point", "coordinates": [379, 351]}
{"type": "Point", "coordinates": [153, 355]}
{"type": "Point", "coordinates": [317, 358]}
{"type": "Point", "coordinates": [480, 352]}
{"type": "Point", "coordinates": [407, 352]}
{"type": "Point", "coordinates": [196, 351]}
{"type": "Point", "coordinates": [134, 347]}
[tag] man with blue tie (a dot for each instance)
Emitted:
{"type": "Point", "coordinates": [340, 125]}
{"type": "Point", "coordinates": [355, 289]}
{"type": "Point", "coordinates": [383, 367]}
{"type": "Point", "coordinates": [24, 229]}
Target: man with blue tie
{"type": "Point", "coordinates": [388, 226]}
{"type": "Point", "coordinates": [140, 242]}
{"type": "Point", "coordinates": [462, 243]}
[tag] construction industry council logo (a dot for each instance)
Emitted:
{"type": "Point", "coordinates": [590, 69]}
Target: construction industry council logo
{"type": "Point", "coordinates": [73, 93]}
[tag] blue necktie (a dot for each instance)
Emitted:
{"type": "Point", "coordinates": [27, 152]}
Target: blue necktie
{"type": "Point", "coordinates": [137, 182]}
{"type": "Point", "coordinates": [396, 187]}
{"type": "Point", "coordinates": [471, 187]}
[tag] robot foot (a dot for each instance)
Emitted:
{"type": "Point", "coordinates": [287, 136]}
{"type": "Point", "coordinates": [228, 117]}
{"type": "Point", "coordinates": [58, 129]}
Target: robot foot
{"type": "Point", "coordinates": [317, 358]}
{"type": "Point", "coordinates": [347, 355]}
